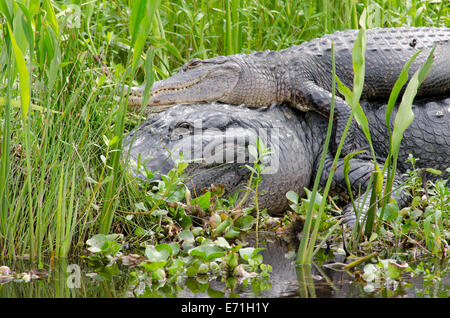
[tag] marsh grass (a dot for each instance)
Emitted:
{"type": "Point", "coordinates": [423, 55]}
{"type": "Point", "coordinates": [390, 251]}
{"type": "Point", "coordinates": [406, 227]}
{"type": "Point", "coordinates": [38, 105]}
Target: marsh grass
{"type": "Point", "coordinates": [62, 178]}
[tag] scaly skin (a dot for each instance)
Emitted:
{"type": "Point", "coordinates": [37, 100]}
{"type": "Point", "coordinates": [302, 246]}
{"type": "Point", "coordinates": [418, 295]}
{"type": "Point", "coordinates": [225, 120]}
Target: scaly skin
{"type": "Point", "coordinates": [301, 75]}
{"type": "Point", "coordinates": [427, 138]}
{"type": "Point", "coordinates": [300, 141]}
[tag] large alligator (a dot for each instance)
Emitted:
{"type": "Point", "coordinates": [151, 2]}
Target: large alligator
{"type": "Point", "coordinates": [301, 75]}
{"type": "Point", "coordinates": [219, 135]}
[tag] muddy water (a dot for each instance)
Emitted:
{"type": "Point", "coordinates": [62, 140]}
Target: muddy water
{"type": "Point", "coordinates": [73, 278]}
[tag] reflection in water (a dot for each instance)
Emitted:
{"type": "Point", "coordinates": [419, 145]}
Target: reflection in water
{"type": "Point", "coordinates": [68, 278]}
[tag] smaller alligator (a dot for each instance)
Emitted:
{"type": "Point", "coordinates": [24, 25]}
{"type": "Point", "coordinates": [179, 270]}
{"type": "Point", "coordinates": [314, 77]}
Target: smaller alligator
{"type": "Point", "coordinates": [301, 75]}
{"type": "Point", "coordinates": [219, 135]}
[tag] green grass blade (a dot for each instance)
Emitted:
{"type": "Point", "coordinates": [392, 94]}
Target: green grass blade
{"type": "Point", "coordinates": [306, 247]}
{"type": "Point", "coordinates": [5, 158]}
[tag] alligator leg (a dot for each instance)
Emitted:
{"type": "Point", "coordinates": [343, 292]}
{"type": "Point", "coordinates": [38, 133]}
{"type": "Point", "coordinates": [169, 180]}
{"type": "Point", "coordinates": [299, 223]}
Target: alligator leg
{"type": "Point", "coordinates": [359, 175]}
{"type": "Point", "coordinates": [310, 93]}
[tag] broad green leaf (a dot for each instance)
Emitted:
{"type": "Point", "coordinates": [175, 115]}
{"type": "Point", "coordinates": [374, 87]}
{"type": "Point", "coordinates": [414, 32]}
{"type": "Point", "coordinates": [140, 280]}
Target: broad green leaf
{"type": "Point", "coordinates": [222, 243]}
{"type": "Point", "coordinates": [222, 226]}
{"type": "Point", "coordinates": [186, 236]}
{"type": "Point", "coordinates": [405, 115]}
{"type": "Point", "coordinates": [53, 68]}
{"type": "Point", "coordinates": [27, 25]}
{"type": "Point", "coordinates": [253, 152]}
{"type": "Point", "coordinates": [6, 7]}
{"type": "Point", "coordinates": [401, 81]}
{"type": "Point", "coordinates": [232, 233]}
{"type": "Point", "coordinates": [358, 54]}
{"type": "Point", "coordinates": [149, 77]}
{"type": "Point", "coordinates": [244, 222]}
{"type": "Point", "coordinates": [292, 196]}
{"type": "Point", "coordinates": [203, 201]}
{"type": "Point", "coordinates": [153, 266]}
{"type": "Point", "coordinates": [51, 16]}
{"type": "Point", "coordinates": [33, 7]}
{"type": "Point", "coordinates": [434, 171]}
{"type": "Point", "coordinates": [140, 26]}
{"type": "Point", "coordinates": [159, 253]}
{"type": "Point", "coordinates": [137, 9]}
{"type": "Point", "coordinates": [207, 252]}
{"type": "Point", "coordinates": [317, 200]}
{"type": "Point", "coordinates": [24, 76]}
{"type": "Point", "coordinates": [106, 244]}
{"type": "Point", "coordinates": [19, 32]}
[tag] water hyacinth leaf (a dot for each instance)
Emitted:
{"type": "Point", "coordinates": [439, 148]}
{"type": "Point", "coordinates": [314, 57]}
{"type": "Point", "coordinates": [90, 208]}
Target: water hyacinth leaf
{"type": "Point", "coordinates": [186, 236]}
{"type": "Point", "coordinates": [140, 206]}
{"type": "Point", "coordinates": [153, 266]}
{"type": "Point", "coordinates": [223, 243]}
{"type": "Point", "coordinates": [203, 201]}
{"type": "Point", "coordinates": [232, 260]}
{"type": "Point", "coordinates": [107, 244]}
{"type": "Point", "coordinates": [395, 270]}
{"type": "Point", "coordinates": [175, 248]}
{"type": "Point", "coordinates": [292, 196]}
{"type": "Point", "coordinates": [203, 268]}
{"type": "Point", "coordinates": [244, 222]}
{"type": "Point", "coordinates": [96, 243]}
{"type": "Point", "coordinates": [207, 252]}
{"type": "Point", "coordinates": [371, 272]}
{"type": "Point", "coordinates": [222, 226]}
{"type": "Point", "coordinates": [391, 212]}
{"type": "Point", "coordinates": [307, 201]}
{"type": "Point", "coordinates": [251, 253]}
{"type": "Point", "coordinates": [159, 275]}
{"type": "Point", "coordinates": [159, 253]}
{"type": "Point", "coordinates": [232, 233]}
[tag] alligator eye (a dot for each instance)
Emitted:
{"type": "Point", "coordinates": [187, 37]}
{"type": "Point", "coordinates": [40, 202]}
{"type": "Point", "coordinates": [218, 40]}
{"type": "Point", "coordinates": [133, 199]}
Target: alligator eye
{"type": "Point", "coordinates": [180, 130]}
{"type": "Point", "coordinates": [183, 125]}
{"type": "Point", "coordinates": [193, 64]}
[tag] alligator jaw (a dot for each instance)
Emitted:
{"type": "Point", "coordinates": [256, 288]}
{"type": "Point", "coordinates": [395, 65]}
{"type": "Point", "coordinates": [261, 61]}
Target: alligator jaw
{"type": "Point", "coordinates": [209, 81]}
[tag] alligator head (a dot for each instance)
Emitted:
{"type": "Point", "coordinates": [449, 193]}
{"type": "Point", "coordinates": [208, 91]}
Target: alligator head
{"type": "Point", "coordinates": [225, 79]}
{"type": "Point", "coordinates": [214, 139]}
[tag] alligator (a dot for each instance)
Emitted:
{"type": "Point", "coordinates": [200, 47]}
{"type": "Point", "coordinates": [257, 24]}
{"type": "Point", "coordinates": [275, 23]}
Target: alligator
{"type": "Point", "coordinates": [301, 75]}
{"type": "Point", "coordinates": [215, 137]}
